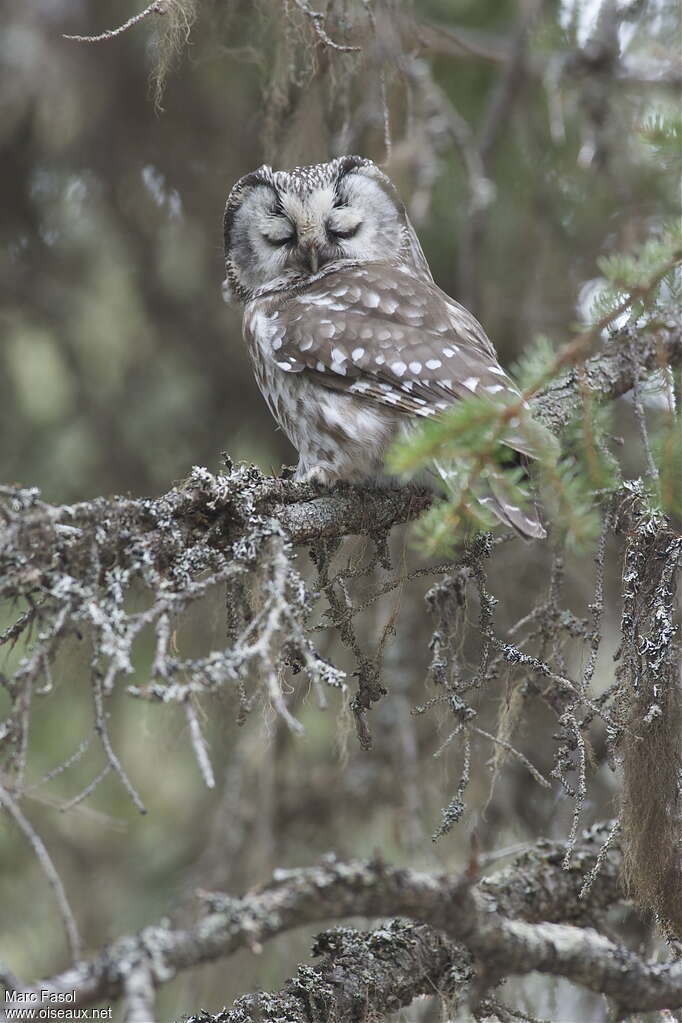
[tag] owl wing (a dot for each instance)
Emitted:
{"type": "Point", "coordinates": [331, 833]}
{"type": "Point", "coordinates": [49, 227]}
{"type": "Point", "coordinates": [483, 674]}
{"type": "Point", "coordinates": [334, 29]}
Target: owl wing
{"type": "Point", "coordinates": [387, 336]}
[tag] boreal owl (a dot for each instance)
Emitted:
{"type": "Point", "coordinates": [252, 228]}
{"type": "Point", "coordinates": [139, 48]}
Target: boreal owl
{"type": "Point", "coordinates": [351, 340]}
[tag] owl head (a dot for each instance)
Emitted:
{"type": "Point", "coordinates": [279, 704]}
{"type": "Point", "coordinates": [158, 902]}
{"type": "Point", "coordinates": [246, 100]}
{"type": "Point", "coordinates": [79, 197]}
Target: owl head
{"type": "Point", "coordinates": [283, 228]}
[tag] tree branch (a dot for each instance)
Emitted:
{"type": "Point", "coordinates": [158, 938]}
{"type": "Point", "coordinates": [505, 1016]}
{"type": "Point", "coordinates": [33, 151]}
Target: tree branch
{"type": "Point", "coordinates": [157, 7]}
{"type": "Point", "coordinates": [362, 976]}
{"type": "Point", "coordinates": [609, 374]}
{"type": "Point", "coordinates": [217, 505]}
{"type": "Point", "coordinates": [75, 563]}
{"type": "Point", "coordinates": [535, 888]}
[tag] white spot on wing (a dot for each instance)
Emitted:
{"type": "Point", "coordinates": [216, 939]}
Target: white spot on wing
{"type": "Point", "coordinates": [357, 353]}
{"type": "Point", "coordinates": [471, 383]}
{"type": "Point", "coordinates": [416, 367]}
{"type": "Point", "coordinates": [433, 364]}
{"type": "Point", "coordinates": [398, 368]}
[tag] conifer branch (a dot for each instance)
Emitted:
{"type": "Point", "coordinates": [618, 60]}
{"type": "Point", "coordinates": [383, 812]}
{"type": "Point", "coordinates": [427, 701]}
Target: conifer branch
{"type": "Point", "coordinates": [337, 890]}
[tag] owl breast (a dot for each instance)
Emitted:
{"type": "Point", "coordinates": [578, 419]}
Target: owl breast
{"type": "Point", "coordinates": [337, 437]}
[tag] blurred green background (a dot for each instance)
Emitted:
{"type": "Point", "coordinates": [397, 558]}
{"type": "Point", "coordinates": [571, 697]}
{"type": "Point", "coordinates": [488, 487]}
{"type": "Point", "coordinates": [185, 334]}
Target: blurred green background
{"type": "Point", "coordinates": [121, 367]}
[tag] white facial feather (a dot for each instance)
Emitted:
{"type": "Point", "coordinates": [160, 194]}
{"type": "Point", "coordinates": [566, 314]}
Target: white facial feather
{"type": "Point", "coordinates": [283, 226]}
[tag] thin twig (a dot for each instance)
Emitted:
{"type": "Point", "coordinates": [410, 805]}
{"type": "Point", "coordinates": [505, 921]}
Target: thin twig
{"type": "Point", "coordinates": [86, 791]}
{"type": "Point", "coordinates": [317, 20]}
{"type": "Point", "coordinates": [581, 790]}
{"type": "Point", "coordinates": [592, 875]}
{"type": "Point", "coordinates": [102, 731]}
{"type": "Point", "coordinates": [49, 870]}
{"type": "Point", "coordinates": [74, 758]}
{"type": "Point", "coordinates": [157, 7]}
{"type": "Point", "coordinates": [199, 746]}
{"type": "Point", "coordinates": [539, 777]}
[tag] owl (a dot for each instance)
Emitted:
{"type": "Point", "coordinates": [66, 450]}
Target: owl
{"type": "Point", "coordinates": [352, 343]}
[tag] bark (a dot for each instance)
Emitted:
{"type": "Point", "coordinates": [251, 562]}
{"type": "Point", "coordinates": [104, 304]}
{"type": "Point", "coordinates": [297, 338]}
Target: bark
{"type": "Point", "coordinates": [485, 917]}
{"type": "Point", "coordinates": [68, 562]}
{"type": "Point", "coordinates": [217, 506]}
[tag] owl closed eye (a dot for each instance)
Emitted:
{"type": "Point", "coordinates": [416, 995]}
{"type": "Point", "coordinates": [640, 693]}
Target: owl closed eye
{"type": "Point", "coordinates": [286, 225]}
{"type": "Point", "coordinates": [351, 341]}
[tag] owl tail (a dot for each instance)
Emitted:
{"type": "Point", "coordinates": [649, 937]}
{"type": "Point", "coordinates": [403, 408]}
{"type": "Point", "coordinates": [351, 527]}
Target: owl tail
{"type": "Point", "coordinates": [500, 499]}
{"type": "Point", "coordinates": [501, 502]}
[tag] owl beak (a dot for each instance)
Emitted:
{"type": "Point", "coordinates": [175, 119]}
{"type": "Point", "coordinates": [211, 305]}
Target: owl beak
{"type": "Point", "coordinates": [311, 257]}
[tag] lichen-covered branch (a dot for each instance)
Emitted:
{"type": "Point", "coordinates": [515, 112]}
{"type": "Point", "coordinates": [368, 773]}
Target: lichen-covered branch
{"type": "Point", "coordinates": [219, 506]}
{"type": "Point", "coordinates": [363, 976]}
{"type": "Point", "coordinates": [534, 888]}
{"type": "Point", "coordinates": [609, 374]}
{"type": "Point", "coordinates": [360, 976]}
{"type": "Point", "coordinates": [72, 568]}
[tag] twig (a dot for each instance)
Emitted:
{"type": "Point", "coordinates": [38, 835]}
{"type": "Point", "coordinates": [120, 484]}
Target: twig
{"type": "Point", "coordinates": [581, 791]}
{"type": "Point", "coordinates": [86, 791]}
{"type": "Point", "coordinates": [590, 879]}
{"type": "Point", "coordinates": [74, 758]}
{"type": "Point", "coordinates": [49, 870]}
{"type": "Point", "coordinates": [103, 732]}
{"type": "Point", "coordinates": [539, 777]}
{"type": "Point", "coordinates": [199, 746]}
{"type": "Point", "coordinates": [317, 20]}
{"type": "Point", "coordinates": [157, 7]}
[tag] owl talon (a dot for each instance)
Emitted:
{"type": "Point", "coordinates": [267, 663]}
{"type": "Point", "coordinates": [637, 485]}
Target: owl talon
{"type": "Point", "coordinates": [316, 475]}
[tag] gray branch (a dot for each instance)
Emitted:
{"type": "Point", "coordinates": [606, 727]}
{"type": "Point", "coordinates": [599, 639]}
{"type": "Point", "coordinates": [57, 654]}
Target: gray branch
{"type": "Point", "coordinates": [304, 515]}
{"type": "Point", "coordinates": [609, 374]}
{"type": "Point", "coordinates": [73, 565]}
{"type": "Point", "coordinates": [509, 919]}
